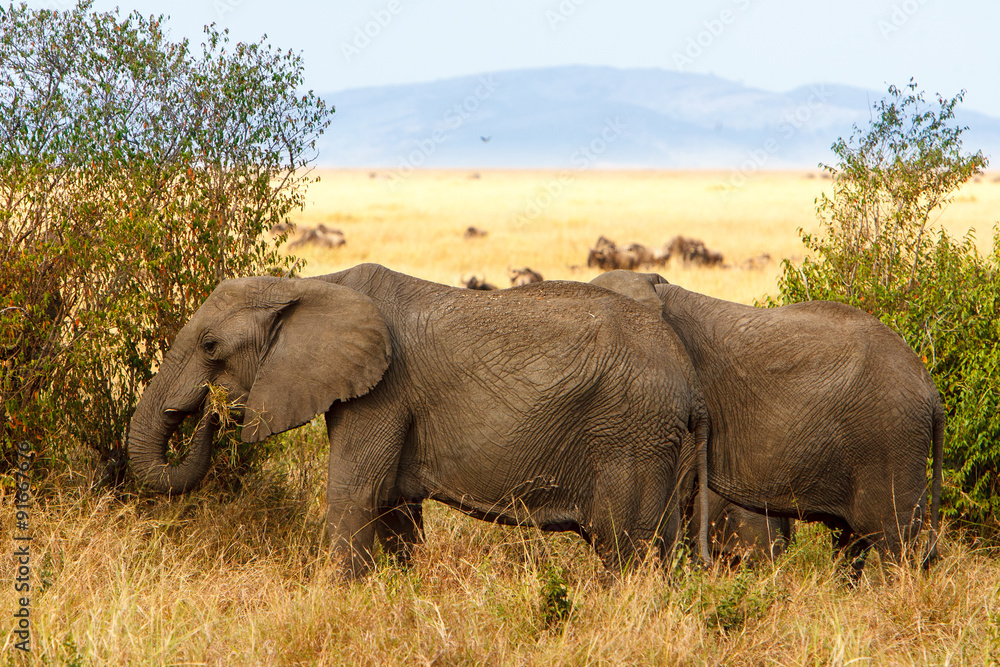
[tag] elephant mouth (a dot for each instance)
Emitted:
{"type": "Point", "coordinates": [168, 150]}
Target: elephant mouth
{"type": "Point", "coordinates": [226, 405]}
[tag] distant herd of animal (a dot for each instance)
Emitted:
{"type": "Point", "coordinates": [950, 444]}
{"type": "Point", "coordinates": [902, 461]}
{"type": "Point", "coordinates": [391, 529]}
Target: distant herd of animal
{"type": "Point", "coordinates": [630, 410]}
{"type": "Point", "coordinates": [605, 255]}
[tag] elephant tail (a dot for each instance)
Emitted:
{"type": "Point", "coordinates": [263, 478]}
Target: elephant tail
{"type": "Point", "coordinates": [701, 432]}
{"type": "Point", "coordinates": [937, 454]}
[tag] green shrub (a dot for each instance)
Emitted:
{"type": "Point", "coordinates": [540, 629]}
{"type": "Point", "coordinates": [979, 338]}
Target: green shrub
{"type": "Point", "coordinates": [879, 251]}
{"type": "Point", "coordinates": [134, 176]}
{"type": "Point", "coordinates": [555, 606]}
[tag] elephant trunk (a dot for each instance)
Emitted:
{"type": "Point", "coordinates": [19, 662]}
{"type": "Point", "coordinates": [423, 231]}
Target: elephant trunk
{"type": "Point", "coordinates": [150, 430]}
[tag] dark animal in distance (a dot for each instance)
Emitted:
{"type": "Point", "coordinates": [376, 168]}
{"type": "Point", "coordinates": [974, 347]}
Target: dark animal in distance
{"type": "Point", "coordinates": [476, 283]}
{"type": "Point", "coordinates": [757, 263]}
{"type": "Point", "coordinates": [609, 256]}
{"type": "Point", "coordinates": [692, 251]}
{"type": "Point", "coordinates": [320, 236]}
{"type": "Point", "coordinates": [523, 276]}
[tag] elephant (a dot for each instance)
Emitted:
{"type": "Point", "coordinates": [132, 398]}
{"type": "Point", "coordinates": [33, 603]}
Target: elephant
{"type": "Point", "coordinates": [556, 404]}
{"type": "Point", "coordinates": [736, 534]}
{"type": "Point", "coordinates": [818, 411]}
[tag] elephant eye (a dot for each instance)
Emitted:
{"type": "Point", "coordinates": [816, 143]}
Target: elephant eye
{"type": "Point", "coordinates": [210, 347]}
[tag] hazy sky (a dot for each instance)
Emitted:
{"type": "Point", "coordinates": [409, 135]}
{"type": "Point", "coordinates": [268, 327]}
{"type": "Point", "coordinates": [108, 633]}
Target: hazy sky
{"type": "Point", "coordinates": [772, 44]}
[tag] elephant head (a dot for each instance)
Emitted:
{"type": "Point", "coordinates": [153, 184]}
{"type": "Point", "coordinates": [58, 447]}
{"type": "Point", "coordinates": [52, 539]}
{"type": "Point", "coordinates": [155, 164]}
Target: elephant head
{"type": "Point", "coordinates": [283, 349]}
{"type": "Point", "coordinates": [636, 286]}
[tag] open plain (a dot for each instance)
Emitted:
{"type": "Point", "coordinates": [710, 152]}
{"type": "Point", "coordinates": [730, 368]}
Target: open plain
{"type": "Point", "coordinates": [548, 220]}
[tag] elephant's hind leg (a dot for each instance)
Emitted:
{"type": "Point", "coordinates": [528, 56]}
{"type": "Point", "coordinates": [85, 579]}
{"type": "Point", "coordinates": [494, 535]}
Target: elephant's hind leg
{"type": "Point", "coordinates": [850, 548]}
{"type": "Point", "coordinates": [399, 529]}
{"type": "Point", "coordinates": [632, 515]}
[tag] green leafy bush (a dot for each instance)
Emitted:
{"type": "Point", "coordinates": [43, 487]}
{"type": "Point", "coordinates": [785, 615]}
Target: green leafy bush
{"type": "Point", "coordinates": [555, 606]}
{"type": "Point", "coordinates": [134, 176]}
{"type": "Point", "coordinates": [878, 250]}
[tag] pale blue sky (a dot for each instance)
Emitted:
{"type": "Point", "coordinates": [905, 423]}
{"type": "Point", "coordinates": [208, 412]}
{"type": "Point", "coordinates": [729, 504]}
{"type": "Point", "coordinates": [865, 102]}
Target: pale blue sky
{"type": "Point", "coordinates": [772, 44]}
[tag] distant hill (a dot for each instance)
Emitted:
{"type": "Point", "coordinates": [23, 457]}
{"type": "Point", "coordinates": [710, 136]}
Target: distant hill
{"type": "Point", "coordinates": [582, 116]}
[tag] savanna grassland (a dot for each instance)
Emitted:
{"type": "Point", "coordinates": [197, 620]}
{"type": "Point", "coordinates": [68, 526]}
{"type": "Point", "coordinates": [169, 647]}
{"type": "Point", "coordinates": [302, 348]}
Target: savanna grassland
{"type": "Point", "coordinates": [241, 577]}
{"type": "Point", "coordinates": [549, 220]}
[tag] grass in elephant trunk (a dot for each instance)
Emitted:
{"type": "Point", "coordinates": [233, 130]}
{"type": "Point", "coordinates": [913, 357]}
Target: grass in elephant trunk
{"type": "Point", "coordinates": [244, 578]}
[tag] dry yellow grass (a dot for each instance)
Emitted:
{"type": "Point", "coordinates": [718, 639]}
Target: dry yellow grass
{"type": "Point", "coordinates": [415, 225]}
{"type": "Point", "coordinates": [213, 579]}
{"type": "Point", "coordinates": [244, 579]}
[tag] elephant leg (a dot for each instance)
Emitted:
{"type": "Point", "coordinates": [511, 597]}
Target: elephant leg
{"type": "Point", "coordinates": [615, 546]}
{"type": "Point", "coordinates": [634, 511]}
{"type": "Point", "coordinates": [893, 523]}
{"type": "Point", "coordinates": [900, 537]}
{"type": "Point", "coordinates": [399, 528]}
{"type": "Point", "coordinates": [851, 548]}
{"type": "Point", "coordinates": [351, 523]}
{"type": "Point", "coordinates": [785, 534]}
{"type": "Point", "coordinates": [365, 446]}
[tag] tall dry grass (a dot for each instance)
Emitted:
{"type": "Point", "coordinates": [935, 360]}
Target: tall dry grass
{"type": "Point", "coordinates": [244, 580]}
{"type": "Point", "coordinates": [227, 578]}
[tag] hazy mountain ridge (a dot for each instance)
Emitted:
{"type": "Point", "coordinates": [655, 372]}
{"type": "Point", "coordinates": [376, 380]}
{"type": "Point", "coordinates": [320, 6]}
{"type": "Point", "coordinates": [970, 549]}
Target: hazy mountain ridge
{"type": "Point", "coordinates": [582, 116]}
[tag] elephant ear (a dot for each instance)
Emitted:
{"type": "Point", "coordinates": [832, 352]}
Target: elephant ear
{"type": "Point", "coordinates": [327, 343]}
{"type": "Point", "coordinates": [637, 286]}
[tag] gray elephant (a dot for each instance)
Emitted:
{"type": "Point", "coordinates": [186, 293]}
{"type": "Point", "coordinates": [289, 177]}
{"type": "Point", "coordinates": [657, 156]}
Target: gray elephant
{"type": "Point", "coordinates": [817, 410]}
{"type": "Point", "coordinates": [557, 404]}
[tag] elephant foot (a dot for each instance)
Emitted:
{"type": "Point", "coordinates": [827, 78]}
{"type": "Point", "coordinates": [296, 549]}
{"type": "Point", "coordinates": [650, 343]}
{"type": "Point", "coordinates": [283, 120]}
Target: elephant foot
{"type": "Point", "coordinates": [349, 564]}
{"type": "Point", "coordinates": [852, 552]}
{"type": "Point", "coordinates": [399, 529]}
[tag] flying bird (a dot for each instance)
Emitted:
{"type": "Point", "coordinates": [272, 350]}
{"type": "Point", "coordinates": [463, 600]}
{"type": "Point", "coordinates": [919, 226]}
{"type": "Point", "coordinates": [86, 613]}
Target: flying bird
{"type": "Point", "coordinates": [485, 139]}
